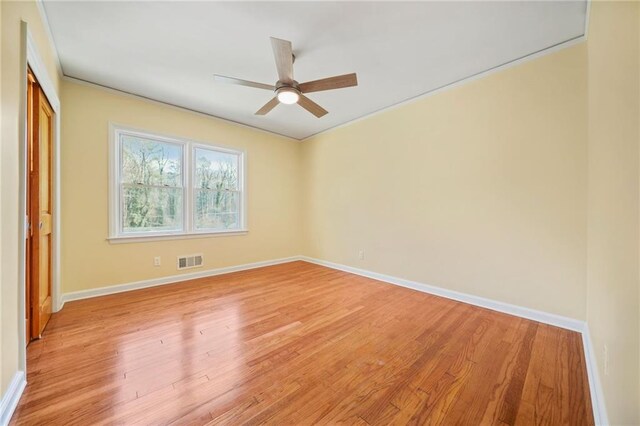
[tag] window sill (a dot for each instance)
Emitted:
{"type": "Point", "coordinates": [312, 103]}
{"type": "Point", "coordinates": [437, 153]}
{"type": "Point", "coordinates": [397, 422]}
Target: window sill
{"type": "Point", "coordinates": [185, 236]}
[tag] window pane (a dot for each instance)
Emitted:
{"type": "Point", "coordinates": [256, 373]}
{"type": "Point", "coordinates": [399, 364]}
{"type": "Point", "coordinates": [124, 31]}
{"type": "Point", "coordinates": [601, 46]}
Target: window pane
{"type": "Point", "coordinates": [151, 209]}
{"type": "Point", "coordinates": [217, 209]}
{"type": "Point", "coordinates": [215, 170]}
{"type": "Point", "coordinates": [149, 162]}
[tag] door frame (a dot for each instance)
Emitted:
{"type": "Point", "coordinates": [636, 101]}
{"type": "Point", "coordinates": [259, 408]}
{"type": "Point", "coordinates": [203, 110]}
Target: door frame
{"type": "Point", "coordinates": [30, 58]}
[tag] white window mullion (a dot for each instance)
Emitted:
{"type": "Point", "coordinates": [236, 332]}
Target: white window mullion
{"type": "Point", "coordinates": [188, 194]}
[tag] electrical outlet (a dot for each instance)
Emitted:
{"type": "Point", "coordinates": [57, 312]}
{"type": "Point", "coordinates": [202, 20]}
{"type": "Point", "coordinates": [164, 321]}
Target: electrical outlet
{"type": "Point", "coordinates": [361, 255]}
{"type": "Point", "coordinates": [606, 360]}
{"type": "Point", "coordinates": [156, 261]}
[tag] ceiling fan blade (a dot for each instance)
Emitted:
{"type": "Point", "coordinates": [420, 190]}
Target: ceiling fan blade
{"type": "Point", "coordinates": [311, 106]}
{"type": "Point", "coordinates": [337, 82]}
{"type": "Point", "coordinates": [231, 80]}
{"type": "Point", "coordinates": [283, 52]}
{"type": "Point", "coordinates": [268, 106]}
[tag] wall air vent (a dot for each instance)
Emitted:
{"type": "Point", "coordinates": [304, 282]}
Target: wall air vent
{"type": "Point", "coordinates": [190, 261]}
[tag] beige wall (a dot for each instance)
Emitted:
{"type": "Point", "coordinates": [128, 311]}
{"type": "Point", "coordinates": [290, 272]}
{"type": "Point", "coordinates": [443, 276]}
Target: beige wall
{"type": "Point", "coordinates": [613, 214]}
{"type": "Point", "coordinates": [479, 189]}
{"type": "Point", "coordinates": [12, 14]}
{"type": "Point", "coordinates": [90, 261]}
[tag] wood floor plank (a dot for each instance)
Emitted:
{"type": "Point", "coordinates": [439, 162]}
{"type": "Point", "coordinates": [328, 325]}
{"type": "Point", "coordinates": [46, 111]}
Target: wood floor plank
{"type": "Point", "coordinates": [298, 343]}
{"type": "Point", "coordinates": [513, 392]}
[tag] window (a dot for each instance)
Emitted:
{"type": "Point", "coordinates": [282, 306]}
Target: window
{"type": "Point", "coordinates": [165, 187]}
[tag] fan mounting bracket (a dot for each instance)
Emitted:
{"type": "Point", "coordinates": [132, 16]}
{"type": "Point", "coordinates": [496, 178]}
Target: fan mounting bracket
{"type": "Point", "coordinates": [294, 84]}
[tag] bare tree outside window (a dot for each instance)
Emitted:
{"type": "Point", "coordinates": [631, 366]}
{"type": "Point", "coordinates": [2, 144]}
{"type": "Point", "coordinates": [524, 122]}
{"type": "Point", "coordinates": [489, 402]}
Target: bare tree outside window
{"type": "Point", "coordinates": [152, 190]}
{"type": "Point", "coordinates": [216, 190]}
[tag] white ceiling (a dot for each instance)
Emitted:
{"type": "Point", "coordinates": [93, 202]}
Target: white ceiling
{"type": "Point", "coordinates": [169, 51]}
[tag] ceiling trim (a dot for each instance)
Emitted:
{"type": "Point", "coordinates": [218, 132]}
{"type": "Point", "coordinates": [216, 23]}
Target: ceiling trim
{"type": "Point", "coordinates": [167, 104]}
{"type": "Point", "coordinates": [523, 59]}
{"type": "Point", "coordinates": [542, 52]}
{"type": "Point", "coordinates": [47, 29]}
{"type": "Point", "coordinates": [548, 50]}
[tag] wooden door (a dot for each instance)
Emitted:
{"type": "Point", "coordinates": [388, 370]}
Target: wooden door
{"type": "Point", "coordinates": [39, 202]}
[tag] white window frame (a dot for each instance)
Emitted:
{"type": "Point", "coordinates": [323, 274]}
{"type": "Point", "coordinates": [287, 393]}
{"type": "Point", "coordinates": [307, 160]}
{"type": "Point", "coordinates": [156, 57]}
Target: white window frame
{"type": "Point", "coordinates": [116, 234]}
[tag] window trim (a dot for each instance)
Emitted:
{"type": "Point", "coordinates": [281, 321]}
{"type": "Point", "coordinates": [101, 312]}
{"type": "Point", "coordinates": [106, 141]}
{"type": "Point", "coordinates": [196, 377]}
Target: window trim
{"type": "Point", "coordinates": [188, 227]}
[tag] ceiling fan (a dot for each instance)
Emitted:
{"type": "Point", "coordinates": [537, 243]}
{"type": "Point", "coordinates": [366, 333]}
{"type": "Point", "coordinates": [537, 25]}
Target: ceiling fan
{"type": "Point", "coordinates": [287, 90]}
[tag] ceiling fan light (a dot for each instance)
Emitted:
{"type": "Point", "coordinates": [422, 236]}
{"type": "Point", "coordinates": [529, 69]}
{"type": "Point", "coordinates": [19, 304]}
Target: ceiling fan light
{"type": "Point", "coordinates": [288, 96]}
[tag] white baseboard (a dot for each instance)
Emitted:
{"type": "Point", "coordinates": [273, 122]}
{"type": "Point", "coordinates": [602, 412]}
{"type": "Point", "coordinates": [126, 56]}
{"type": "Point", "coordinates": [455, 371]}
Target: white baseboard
{"type": "Point", "coordinates": [120, 288]}
{"type": "Point", "coordinates": [597, 397]}
{"type": "Point", "coordinates": [519, 311]}
{"type": "Point", "coordinates": [595, 386]}
{"type": "Point", "coordinates": [11, 397]}
{"type": "Point", "coordinates": [532, 314]}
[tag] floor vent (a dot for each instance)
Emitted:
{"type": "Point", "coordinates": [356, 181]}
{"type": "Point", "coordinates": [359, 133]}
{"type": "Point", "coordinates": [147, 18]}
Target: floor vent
{"type": "Point", "coordinates": [191, 261]}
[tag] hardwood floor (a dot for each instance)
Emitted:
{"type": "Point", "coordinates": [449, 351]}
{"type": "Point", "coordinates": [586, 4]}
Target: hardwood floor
{"type": "Point", "coordinates": [297, 344]}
